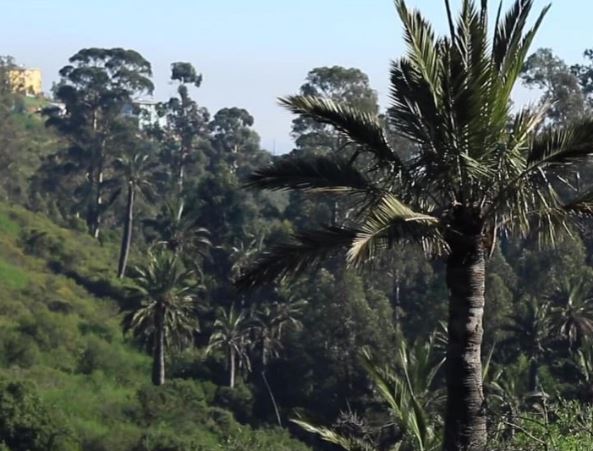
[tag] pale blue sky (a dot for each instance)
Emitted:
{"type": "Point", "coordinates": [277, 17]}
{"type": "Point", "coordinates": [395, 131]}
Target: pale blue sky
{"type": "Point", "coordinates": [249, 51]}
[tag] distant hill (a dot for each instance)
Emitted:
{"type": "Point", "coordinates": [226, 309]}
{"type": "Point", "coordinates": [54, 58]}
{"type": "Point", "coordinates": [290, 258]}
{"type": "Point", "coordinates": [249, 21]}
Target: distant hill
{"type": "Point", "coordinates": [68, 378]}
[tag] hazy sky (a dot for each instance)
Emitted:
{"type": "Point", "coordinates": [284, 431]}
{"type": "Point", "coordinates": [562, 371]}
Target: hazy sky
{"type": "Point", "coordinates": [249, 51]}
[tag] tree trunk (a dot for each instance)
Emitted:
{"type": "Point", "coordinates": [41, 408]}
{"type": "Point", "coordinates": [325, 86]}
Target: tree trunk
{"type": "Point", "coordinates": [396, 299]}
{"type": "Point", "coordinates": [158, 352]}
{"type": "Point", "coordinates": [183, 154]}
{"type": "Point", "coordinates": [180, 176]}
{"type": "Point", "coordinates": [97, 206]}
{"type": "Point", "coordinates": [533, 375]}
{"type": "Point", "coordinates": [126, 240]}
{"type": "Point", "coordinates": [232, 368]}
{"type": "Point", "coordinates": [272, 398]}
{"type": "Point", "coordinates": [465, 422]}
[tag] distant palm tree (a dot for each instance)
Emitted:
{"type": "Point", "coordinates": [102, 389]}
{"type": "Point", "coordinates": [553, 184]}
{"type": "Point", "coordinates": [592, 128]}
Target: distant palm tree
{"type": "Point", "coordinates": [177, 229]}
{"type": "Point", "coordinates": [231, 333]}
{"type": "Point", "coordinates": [271, 321]}
{"type": "Point", "coordinates": [137, 170]}
{"type": "Point", "coordinates": [477, 171]}
{"type": "Point", "coordinates": [572, 311]}
{"type": "Point", "coordinates": [166, 312]}
{"type": "Point", "coordinates": [531, 330]}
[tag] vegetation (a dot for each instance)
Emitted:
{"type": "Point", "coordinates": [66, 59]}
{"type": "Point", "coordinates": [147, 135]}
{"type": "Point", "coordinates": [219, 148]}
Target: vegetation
{"type": "Point", "coordinates": [433, 282]}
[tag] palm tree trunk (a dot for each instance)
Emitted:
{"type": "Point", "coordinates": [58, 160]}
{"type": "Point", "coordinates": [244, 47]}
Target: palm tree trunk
{"type": "Point", "coordinates": [98, 206]}
{"type": "Point", "coordinates": [465, 422]}
{"type": "Point", "coordinates": [533, 375]}
{"type": "Point", "coordinates": [272, 397]}
{"type": "Point", "coordinates": [158, 362]}
{"type": "Point", "coordinates": [232, 368]}
{"type": "Point", "coordinates": [396, 299]}
{"type": "Point", "coordinates": [126, 240]}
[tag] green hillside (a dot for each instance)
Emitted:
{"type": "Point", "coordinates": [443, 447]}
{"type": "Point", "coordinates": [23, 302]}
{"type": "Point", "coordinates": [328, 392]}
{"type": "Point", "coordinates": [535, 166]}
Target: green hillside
{"type": "Point", "coordinates": [81, 385]}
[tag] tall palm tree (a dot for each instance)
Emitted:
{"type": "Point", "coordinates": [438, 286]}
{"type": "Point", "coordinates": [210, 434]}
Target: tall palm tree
{"type": "Point", "coordinates": [165, 314]}
{"type": "Point", "coordinates": [572, 311]}
{"type": "Point", "coordinates": [231, 333]}
{"type": "Point", "coordinates": [478, 171]}
{"type": "Point", "coordinates": [137, 170]}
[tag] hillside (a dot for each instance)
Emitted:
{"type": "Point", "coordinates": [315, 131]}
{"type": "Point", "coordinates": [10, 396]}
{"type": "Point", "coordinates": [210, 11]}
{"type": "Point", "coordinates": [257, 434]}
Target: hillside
{"type": "Point", "coordinates": [69, 379]}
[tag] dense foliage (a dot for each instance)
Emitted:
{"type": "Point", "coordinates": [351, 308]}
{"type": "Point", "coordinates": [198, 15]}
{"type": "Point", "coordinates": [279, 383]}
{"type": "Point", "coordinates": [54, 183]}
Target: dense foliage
{"type": "Point", "coordinates": [124, 224]}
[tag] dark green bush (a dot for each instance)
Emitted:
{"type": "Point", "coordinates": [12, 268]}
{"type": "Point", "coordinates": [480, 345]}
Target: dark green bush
{"type": "Point", "coordinates": [26, 423]}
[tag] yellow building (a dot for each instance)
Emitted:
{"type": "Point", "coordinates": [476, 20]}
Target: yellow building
{"type": "Point", "coordinates": [26, 81]}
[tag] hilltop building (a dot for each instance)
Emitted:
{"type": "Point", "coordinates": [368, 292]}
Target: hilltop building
{"type": "Point", "coordinates": [26, 81]}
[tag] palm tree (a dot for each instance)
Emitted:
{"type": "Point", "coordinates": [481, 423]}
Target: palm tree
{"type": "Point", "coordinates": [137, 170]}
{"type": "Point", "coordinates": [572, 311]}
{"type": "Point", "coordinates": [478, 171]}
{"type": "Point", "coordinates": [271, 321]}
{"type": "Point", "coordinates": [231, 333]}
{"type": "Point", "coordinates": [177, 229]}
{"type": "Point", "coordinates": [530, 330]}
{"type": "Point", "coordinates": [165, 314]}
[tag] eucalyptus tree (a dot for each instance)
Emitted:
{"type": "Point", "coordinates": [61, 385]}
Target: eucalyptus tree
{"type": "Point", "coordinates": [478, 171]}
{"type": "Point", "coordinates": [584, 72]}
{"type": "Point", "coordinates": [138, 170]}
{"type": "Point", "coordinates": [232, 334]}
{"type": "Point", "coordinates": [338, 83]}
{"type": "Point", "coordinates": [559, 84]}
{"type": "Point", "coordinates": [165, 312]}
{"type": "Point", "coordinates": [186, 122]}
{"type": "Point", "coordinates": [96, 88]}
{"type": "Point", "coordinates": [234, 143]}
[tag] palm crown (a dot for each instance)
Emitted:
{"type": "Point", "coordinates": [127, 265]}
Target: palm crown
{"type": "Point", "coordinates": [478, 169]}
{"type": "Point", "coordinates": [164, 286]}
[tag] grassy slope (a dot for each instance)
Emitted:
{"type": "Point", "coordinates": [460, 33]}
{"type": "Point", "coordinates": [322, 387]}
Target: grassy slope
{"type": "Point", "coordinates": [54, 333]}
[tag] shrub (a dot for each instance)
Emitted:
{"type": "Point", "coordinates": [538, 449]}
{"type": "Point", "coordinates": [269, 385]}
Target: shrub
{"type": "Point", "coordinates": [26, 423]}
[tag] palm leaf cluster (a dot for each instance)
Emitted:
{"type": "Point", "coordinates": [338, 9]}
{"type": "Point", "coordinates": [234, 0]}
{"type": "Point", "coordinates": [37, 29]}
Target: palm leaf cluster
{"type": "Point", "coordinates": [231, 332]}
{"type": "Point", "coordinates": [177, 229]}
{"type": "Point", "coordinates": [255, 333]}
{"type": "Point", "coordinates": [163, 285]}
{"type": "Point", "coordinates": [478, 168]}
{"type": "Point", "coordinates": [408, 391]}
{"type": "Point", "coordinates": [572, 311]}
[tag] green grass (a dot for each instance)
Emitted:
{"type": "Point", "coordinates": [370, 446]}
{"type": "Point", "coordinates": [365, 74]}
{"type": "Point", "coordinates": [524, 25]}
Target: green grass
{"type": "Point", "coordinates": [35, 103]}
{"type": "Point", "coordinates": [8, 226]}
{"type": "Point", "coordinates": [12, 277]}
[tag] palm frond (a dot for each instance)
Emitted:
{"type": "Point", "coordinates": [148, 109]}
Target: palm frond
{"type": "Point", "coordinates": [423, 51]}
{"type": "Point", "coordinates": [310, 174]}
{"type": "Point", "coordinates": [303, 251]}
{"type": "Point", "coordinates": [360, 127]}
{"type": "Point", "coordinates": [388, 222]}
{"type": "Point", "coordinates": [330, 436]}
{"type": "Point", "coordinates": [581, 205]}
{"type": "Point", "coordinates": [562, 145]}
